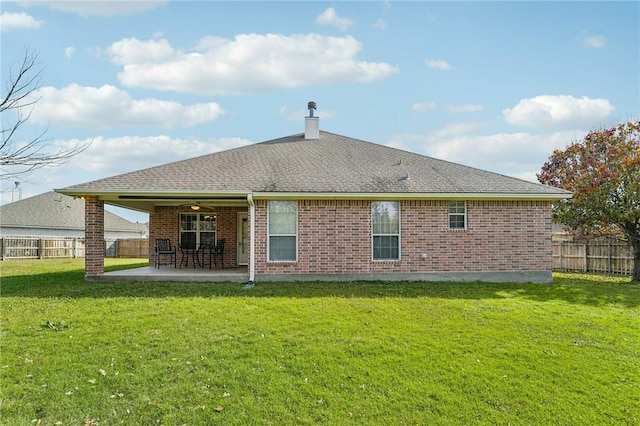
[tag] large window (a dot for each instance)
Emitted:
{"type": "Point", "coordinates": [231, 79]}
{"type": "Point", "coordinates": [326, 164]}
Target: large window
{"type": "Point", "coordinates": [197, 229]}
{"type": "Point", "coordinates": [458, 215]}
{"type": "Point", "coordinates": [283, 230]}
{"type": "Point", "coordinates": [385, 217]}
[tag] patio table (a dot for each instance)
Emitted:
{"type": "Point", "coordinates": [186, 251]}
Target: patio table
{"type": "Point", "coordinates": [190, 252]}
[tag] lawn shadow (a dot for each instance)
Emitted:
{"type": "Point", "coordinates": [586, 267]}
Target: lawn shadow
{"type": "Point", "coordinates": [579, 289]}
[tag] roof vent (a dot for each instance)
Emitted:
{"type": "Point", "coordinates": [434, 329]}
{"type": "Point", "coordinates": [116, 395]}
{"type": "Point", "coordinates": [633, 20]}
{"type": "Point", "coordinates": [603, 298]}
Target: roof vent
{"type": "Point", "coordinates": [311, 123]}
{"type": "Point", "coordinates": [311, 106]}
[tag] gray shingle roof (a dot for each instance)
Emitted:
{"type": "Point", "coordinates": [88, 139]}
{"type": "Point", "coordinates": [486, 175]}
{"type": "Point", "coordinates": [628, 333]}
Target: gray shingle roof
{"type": "Point", "coordinates": [57, 211]}
{"type": "Point", "coordinates": [331, 164]}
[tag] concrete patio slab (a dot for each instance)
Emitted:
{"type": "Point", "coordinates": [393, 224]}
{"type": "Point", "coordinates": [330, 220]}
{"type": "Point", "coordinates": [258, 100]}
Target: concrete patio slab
{"type": "Point", "coordinates": [165, 273]}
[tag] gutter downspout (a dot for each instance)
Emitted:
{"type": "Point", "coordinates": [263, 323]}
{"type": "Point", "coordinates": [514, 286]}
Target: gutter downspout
{"type": "Point", "coordinates": [252, 239]}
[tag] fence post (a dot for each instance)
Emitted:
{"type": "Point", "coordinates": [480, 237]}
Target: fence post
{"type": "Point", "coordinates": [2, 248]}
{"type": "Point", "coordinates": [40, 248]}
{"type": "Point", "coordinates": [561, 249]}
{"type": "Point", "coordinates": [609, 259]}
{"type": "Point", "coordinates": [586, 258]}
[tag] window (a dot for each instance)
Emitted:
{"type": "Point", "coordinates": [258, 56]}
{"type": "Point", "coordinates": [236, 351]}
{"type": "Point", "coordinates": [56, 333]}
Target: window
{"type": "Point", "coordinates": [385, 218]}
{"type": "Point", "coordinates": [197, 229]}
{"type": "Point", "coordinates": [283, 230]}
{"type": "Point", "coordinates": [458, 215]}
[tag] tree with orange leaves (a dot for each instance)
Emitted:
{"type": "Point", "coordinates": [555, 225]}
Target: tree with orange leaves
{"type": "Point", "coordinates": [603, 172]}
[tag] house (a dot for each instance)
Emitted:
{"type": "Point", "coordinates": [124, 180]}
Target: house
{"type": "Point", "coordinates": [559, 232]}
{"type": "Point", "coordinates": [321, 206]}
{"type": "Point", "coordinates": [53, 214]}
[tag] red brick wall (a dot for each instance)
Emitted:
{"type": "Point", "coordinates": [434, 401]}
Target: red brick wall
{"type": "Point", "coordinates": [165, 223]}
{"type": "Point", "coordinates": [94, 236]}
{"type": "Point", "coordinates": [500, 236]}
{"type": "Point", "coordinates": [334, 237]}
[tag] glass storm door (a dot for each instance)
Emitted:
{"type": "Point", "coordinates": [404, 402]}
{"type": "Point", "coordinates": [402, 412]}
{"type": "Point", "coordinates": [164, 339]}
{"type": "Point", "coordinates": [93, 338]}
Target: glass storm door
{"type": "Point", "coordinates": [243, 238]}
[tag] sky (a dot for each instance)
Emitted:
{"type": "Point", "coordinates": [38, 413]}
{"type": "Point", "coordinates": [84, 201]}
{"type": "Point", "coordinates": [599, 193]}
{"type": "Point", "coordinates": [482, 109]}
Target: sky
{"type": "Point", "coordinates": [492, 85]}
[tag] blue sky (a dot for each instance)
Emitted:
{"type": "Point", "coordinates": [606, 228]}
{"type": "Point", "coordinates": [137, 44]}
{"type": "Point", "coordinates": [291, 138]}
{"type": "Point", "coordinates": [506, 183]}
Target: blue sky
{"type": "Point", "coordinates": [493, 85]}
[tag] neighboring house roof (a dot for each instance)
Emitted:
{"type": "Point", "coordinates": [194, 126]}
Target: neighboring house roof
{"type": "Point", "coordinates": [332, 164]}
{"type": "Point", "coordinates": [57, 211]}
{"type": "Point", "coordinates": [558, 228]}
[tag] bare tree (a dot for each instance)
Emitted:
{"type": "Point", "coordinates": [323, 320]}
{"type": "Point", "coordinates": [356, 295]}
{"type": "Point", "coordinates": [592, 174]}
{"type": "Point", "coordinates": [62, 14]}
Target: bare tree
{"type": "Point", "coordinates": [19, 157]}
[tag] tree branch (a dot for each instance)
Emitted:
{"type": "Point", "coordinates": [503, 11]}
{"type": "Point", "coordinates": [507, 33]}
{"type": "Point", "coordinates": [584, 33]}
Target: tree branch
{"type": "Point", "coordinates": [22, 157]}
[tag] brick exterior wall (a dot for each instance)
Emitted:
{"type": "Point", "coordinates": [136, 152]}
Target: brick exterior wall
{"type": "Point", "coordinates": [94, 236]}
{"type": "Point", "coordinates": [165, 223]}
{"type": "Point", "coordinates": [334, 237]}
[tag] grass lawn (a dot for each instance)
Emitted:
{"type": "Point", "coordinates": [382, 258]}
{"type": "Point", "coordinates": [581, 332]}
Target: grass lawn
{"type": "Point", "coordinates": [77, 353]}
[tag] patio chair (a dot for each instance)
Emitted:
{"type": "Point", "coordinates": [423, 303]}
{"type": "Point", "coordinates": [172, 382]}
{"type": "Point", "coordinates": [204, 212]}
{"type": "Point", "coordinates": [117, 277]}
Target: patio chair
{"type": "Point", "coordinates": [164, 247]}
{"type": "Point", "coordinates": [217, 250]}
{"type": "Point", "coordinates": [188, 248]}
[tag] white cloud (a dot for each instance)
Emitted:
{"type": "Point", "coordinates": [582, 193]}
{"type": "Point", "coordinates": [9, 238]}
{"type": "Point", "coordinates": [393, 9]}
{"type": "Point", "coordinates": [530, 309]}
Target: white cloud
{"type": "Point", "coordinates": [11, 21]}
{"type": "Point", "coordinates": [211, 42]}
{"type": "Point", "coordinates": [380, 24]}
{"type": "Point", "coordinates": [132, 50]}
{"type": "Point", "coordinates": [69, 51]}
{"type": "Point", "coordinates": [465, 108]}
{"type": "Point", "coordinates": [594, 41]}
{"type": "Point", "coordinates": [423, 106]}
{"type": "Point", "coordinates": [438, 64]}
{"type": "Point", "coordinates": [562, 110]}
{"type": "Point", "coordinates": [109, 107]}
{"type": "Point", "coordinates": [457, 128]}
{"type": "Point", "coordinates": [103, 8]}
{"type": "Point", "coordinates": [330, 17]}
{"type": "Point", "coordinates": [249, 63]}
{"type": "Point", "coordinates": [518, 155]}
{"type": "Point", "coordinates": [112, 156]}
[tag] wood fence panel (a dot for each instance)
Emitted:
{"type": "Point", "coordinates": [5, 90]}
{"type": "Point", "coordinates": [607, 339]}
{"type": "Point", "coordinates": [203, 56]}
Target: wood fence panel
{"type": "Point", "coordinates": [133, 247]}
{"type": "Point", "coordinates": [57, 248]}
{"type": "Point", "coordinates": [19, 247]}
{"type": "Point", "coordinates": [568, 256]}
{"type": "Point", "coordinates": [604, 256]}
{"type": "Point", "coordinates": [30, 247]}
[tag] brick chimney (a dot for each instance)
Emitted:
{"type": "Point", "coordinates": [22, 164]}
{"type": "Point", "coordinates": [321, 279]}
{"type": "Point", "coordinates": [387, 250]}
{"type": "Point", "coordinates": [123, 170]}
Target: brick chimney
{"type": "Point", "coordinates": [311, 123]}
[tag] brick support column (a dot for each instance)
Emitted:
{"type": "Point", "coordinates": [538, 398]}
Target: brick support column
{"type": "Point", "coordinates": [94, 236]}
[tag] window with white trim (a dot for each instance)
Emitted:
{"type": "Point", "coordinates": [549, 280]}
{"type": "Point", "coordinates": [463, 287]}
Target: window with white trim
{"type": "Point", "coordinates": [385, 221]}
{"type": "Point", "coordinates": [197, 229]}
{"type": "Point", "coordinates": [282, 217]}
{"type": "Point", "coordinates": [457, 215]}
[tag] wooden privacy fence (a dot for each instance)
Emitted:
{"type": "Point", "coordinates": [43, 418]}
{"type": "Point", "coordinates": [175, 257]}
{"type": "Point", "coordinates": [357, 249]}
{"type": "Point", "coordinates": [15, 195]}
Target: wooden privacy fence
{"type": "Point", "coordinates": [28, 247]}
{"type": "Point", "coordinates": [132, 247]}
{"type": "Point", "coordinates": [25, 247]}
{"type": "Point", "coordinates": [606, 256]}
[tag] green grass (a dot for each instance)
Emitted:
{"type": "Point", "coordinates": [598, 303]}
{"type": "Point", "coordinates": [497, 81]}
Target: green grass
{"type": "Point", "coordinates": [77, 353]}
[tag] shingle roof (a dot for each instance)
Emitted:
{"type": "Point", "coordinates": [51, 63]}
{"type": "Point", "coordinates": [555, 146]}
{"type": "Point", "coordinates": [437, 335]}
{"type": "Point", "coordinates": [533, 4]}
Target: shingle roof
{"type": "Point", "coordinates": [56, 211]}
{"type": "Point", "coordinates": [330, 164]}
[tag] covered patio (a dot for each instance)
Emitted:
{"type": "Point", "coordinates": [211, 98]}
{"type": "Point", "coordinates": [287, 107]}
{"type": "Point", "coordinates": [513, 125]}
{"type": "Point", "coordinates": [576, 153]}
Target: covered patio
{"type": "Point", "coordinates": [190, 223]}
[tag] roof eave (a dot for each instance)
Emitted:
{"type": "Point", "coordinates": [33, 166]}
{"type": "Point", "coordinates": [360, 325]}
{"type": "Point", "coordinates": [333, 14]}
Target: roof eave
{"type": "Point", "coordinates": [413, 196]}
{"type": "Point", "coordinates": [149, 194]}
{"type": "Point", "coordinates": [129, 198]}
{"type": "Point", "coordinates": [145, 201]}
